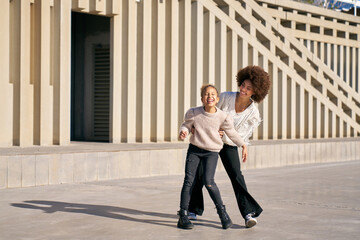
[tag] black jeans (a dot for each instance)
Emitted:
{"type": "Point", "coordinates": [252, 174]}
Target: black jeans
{"type": "Point", "coordinates": [208, 161]}
{"type": "Point", "coordinates": [230, 158]}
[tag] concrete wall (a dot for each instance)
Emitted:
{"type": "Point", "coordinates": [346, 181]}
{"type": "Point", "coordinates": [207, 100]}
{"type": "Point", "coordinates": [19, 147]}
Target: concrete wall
{"type": "Point", "coordinates": [161, 54]}
{"type": "Point", "coordinates": [81, 162]}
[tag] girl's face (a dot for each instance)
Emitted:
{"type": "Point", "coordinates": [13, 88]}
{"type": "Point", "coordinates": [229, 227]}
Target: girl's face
{"type": "Point", "coordinates": [210, 97]}
{"type": "Point", "coordinates": [246, 89]}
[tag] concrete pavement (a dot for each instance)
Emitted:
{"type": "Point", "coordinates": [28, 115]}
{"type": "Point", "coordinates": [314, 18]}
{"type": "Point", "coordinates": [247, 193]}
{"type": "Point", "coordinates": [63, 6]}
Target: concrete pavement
{"type": "Point", "coordinates": [313, 201]}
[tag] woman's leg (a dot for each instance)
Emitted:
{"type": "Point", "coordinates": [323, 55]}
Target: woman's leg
{"type": "Point", "coordinates": [247, 204]}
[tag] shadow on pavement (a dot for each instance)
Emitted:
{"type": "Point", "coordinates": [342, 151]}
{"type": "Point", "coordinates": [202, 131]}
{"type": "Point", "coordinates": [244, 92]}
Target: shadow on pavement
{"type": "Point", "coordinates": [107, 211]}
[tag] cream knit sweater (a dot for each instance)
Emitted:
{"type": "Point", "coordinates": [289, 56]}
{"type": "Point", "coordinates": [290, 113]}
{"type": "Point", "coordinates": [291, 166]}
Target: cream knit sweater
{"type": "Point", "coordinates": [207, 125]}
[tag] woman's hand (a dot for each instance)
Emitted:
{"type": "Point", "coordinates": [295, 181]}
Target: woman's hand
{"type": "Point", "coordinates": [221, 133]}
{"type": "Point", "coordinates": [183, 135]}
{"type": "Point", "coordinates": [244, 152]}
{"type": "Point", "coordinates": [193, 130]}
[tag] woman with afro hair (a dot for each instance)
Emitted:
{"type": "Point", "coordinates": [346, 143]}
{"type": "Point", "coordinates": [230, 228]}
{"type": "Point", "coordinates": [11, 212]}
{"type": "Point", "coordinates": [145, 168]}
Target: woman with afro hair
{"type": "Point", "coordinates": [254, 85]}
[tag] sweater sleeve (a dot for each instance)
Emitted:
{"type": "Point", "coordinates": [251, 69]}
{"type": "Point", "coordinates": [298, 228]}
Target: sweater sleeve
{"type": "Point", "coordinates": [188, 121]}
{"type": "Point", "coordinates": [228, 127]}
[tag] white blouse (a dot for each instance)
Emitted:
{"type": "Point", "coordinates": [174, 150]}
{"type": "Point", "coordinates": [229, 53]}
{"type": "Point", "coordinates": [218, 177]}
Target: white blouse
{"type": "Point", "coordinates": [245, 122]}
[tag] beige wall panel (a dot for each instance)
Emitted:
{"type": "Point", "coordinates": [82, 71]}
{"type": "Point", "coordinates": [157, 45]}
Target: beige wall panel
{"type": "Point", "coordinates": [317, 118]}
{"type": "Point", "coordinates": [160, 81]}
{"type": "Point", "coordinates": [14, 171]}
{"type": "Point", "coordinates": [232, 65]}
{"type": "Point", "coordinates": [184, 59]}
{"type": "Point", "coordinates": [174, 76]}
{"type": "Point", "coordinates": [98, 6]}
{"type": "Point", "coordinates": [61, 73]}
{"type": "Point", "coordinates": [220, 56]}
{"type": "Point", "coordinates": [328, 54]}
{"type": "Point", "coordinates": [80, 167]}
{"type": "Point", "coordinates": [82, 5]}
{"type": "Point", "coordinates": [188, 33]}
{"type": "Point", "coordinates": [43, 90]}
{"type": "Point", "coordinates": [146, 72]}
{"type": "Point", "coordinates": [293, 109]}
{"type": "Point", "coordinates": [302, 112]}
{"type": "Point", "coordinates": [20, 72]}
{"type": "Point", "coordinates": [42, 170]}
{"type": "Point", "coordinates": [116, 77]}
{"type": "Point", "coordinates": [273, 102]}
{"type": "Point", "coordinates": [28, 171]}
{"type": "Point", "coordinates": [197, 53]}
{"type": "Point", "coordinates": [347, 63]}
{"type": "Point", "coordinates": [103, 166]}
{"type": "Point", "coordinates": [283, 105]}
{"type": "Point", "coordinates": [209, 48]}
{"type": "Point", "coordinates": [341, 128]}
{"type": "Point", "coordinates": [232, 56]}
{"type": "Point", "coordinates": [341, 66]}
{"type": "Point", "coordinates": [310, 116]}
{"type": "Point", "coordinates": [336, 62]}
{"type": "Point", "coordinates": [3, 172]}
{"type": "Point", "coordinates": [326, 122]}
{"type": "Point", "coordinates": [322, 51]}
{"type": "Point", "coordinates": [132, 72]}
{"type": "Point", "coordinates": [6, 86]}
{"type": "Point", "coordinates": [113, 7]}
{"type": "Point", "coordinates": [354, 67]}
{"type": "Point", "coordinates": [266, 114]}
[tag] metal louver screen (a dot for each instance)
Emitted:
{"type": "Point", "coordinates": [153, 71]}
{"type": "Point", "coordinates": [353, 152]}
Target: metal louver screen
{"type": "Point", "coordinates": [101, 93]}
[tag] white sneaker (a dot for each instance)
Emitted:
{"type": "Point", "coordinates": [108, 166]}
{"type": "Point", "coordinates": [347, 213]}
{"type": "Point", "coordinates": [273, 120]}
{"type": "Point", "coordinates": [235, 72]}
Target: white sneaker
{"type": "Point", "coordinates": [250, 221]}
{"type": "Point", "coordinates": [192, 216]}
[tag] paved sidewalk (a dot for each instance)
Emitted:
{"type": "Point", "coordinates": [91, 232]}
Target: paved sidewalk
{"type": "Point", "coordinates": [317, 201]}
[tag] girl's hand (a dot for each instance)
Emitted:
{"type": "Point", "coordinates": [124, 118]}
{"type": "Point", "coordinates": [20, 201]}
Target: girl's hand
{"type": "Point", "coordinates": [183, 135]}
{"type": "Point", "coordinates": [244, 153]}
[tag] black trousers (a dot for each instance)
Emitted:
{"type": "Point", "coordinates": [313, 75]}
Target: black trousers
{"type": "Point", "coordinates": [230, 158]}
{"type": "Point", "coordinates": [208, 161]}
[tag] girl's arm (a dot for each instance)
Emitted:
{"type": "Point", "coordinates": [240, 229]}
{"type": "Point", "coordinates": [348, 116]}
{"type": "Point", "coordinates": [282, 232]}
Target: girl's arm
{"type": "Point", "coordinates": [228, 127]}
{"type": "Point", "coordinates": [188, 123]}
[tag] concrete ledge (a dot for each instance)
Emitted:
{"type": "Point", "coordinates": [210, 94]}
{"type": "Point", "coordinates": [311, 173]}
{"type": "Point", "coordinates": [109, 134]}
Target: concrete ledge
{"type": "Point", "coordinates": [86, 162]}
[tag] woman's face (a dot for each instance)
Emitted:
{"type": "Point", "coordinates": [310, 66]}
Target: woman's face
{"type": "Point", "coordinates": [246, 89]}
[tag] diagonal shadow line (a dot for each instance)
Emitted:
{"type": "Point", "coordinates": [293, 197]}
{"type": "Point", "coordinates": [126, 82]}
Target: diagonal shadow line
{"type": "Point", "coordinates": [102, 211]}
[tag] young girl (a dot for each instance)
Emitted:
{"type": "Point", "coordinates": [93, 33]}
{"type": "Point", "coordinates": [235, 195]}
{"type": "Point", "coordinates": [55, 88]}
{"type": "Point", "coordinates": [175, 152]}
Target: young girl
{"type": "Point", "coordinates": [205, 145]}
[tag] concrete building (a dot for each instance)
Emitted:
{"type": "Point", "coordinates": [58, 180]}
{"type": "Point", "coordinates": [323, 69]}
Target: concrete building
{"type": "Point", "coordinates": [97, 89]}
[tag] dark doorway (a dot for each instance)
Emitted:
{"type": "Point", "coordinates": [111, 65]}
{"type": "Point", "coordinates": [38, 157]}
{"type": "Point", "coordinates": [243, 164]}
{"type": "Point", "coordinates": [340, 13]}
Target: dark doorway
{"type": "Point", "coordinates": [90, 77]}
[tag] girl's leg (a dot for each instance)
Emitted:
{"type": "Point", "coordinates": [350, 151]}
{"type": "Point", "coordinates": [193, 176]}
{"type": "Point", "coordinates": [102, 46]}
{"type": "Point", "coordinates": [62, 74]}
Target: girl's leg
{"type": "Point", "coordinates": [196, 204]}
{"type": "Point", "coordinates": [209, 164]}
{"type": "Point", "coordinates": [192, 162]}
{"type": "Point", "coordinates": [231, 161]}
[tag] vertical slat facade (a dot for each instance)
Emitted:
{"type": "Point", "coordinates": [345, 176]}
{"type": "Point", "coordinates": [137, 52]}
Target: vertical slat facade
{"type": "Point", "coordinates": [162, 52]}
